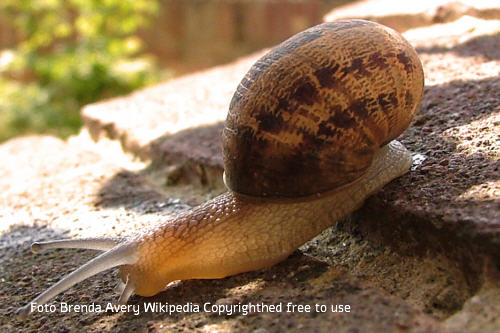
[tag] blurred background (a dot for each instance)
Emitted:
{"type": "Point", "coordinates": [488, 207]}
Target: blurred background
{"type": "Point", "coordinates": [58, 55]}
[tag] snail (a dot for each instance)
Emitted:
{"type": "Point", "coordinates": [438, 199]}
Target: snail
{"type": "Point", "coordinates": [308, 137]}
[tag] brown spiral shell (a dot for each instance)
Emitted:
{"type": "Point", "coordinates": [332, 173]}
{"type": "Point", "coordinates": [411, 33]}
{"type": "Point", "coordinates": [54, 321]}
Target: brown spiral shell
{"type": "Point", "coordinates": [309, 115]}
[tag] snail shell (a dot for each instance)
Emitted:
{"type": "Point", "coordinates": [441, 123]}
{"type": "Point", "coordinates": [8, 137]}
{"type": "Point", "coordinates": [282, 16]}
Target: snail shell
{"type": "Point", "coordinates": [310, 114]}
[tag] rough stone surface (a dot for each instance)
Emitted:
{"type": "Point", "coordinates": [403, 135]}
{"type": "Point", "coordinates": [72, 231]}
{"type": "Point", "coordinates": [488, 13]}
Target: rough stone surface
{"type": "Point", "coordinates": [458, 131]}
{"type": "Point", "coordinates": [421, 256]}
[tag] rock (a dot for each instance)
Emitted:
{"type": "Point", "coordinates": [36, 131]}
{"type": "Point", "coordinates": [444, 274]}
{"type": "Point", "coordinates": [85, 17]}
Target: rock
{"type": "Point", "coordinates": [404, 15]}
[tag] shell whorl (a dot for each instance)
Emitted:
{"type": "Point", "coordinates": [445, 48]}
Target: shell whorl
{"type": "Point", "coordinates": [310, 114]}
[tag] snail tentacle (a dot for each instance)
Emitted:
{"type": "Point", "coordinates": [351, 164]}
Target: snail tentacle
{"type": "Point", "coordinates": [127, 291]}
{"type": "Point", "coordinates": [125, 254]}
{"type": "Point", "coordinates": [101, 244]}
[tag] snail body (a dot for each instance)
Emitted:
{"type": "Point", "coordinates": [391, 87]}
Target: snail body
{"type": "Point", "coordinates": [235, 233]}
{"type": "Point", "coordinates": [309, 136]}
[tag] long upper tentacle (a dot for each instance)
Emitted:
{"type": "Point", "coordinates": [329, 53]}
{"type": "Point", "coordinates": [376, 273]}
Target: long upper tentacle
{"type": "Point", "coordinates": [102, 244]}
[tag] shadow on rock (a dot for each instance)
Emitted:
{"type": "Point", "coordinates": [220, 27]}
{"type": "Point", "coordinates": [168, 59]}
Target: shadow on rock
{"type": "Point", "coordinates": [455, 130]}
{"type": "Point", "coordinates": [190, 157]}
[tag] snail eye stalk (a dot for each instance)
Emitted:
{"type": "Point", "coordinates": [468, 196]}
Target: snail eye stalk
{"type": "Point", "coordinates": [102, 244]}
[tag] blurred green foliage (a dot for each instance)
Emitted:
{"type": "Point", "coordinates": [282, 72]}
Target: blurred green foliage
{"type": "Point", "coordinates": [72, 52]}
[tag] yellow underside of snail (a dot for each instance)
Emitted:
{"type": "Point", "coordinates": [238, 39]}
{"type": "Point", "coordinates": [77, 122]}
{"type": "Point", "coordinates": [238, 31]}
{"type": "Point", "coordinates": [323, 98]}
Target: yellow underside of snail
{"type": "Point", "coordinates": [236, 232]}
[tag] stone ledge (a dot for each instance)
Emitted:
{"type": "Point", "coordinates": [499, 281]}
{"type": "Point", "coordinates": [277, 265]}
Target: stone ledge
{"type": "Point", "coordinates": [404, 15]}
{"type": "Point", "coordinates": [193, 100]}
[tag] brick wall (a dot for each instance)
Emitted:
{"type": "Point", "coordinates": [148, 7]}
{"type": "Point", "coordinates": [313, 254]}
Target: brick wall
{"type": "Point", "coordinates": [201, 33]}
